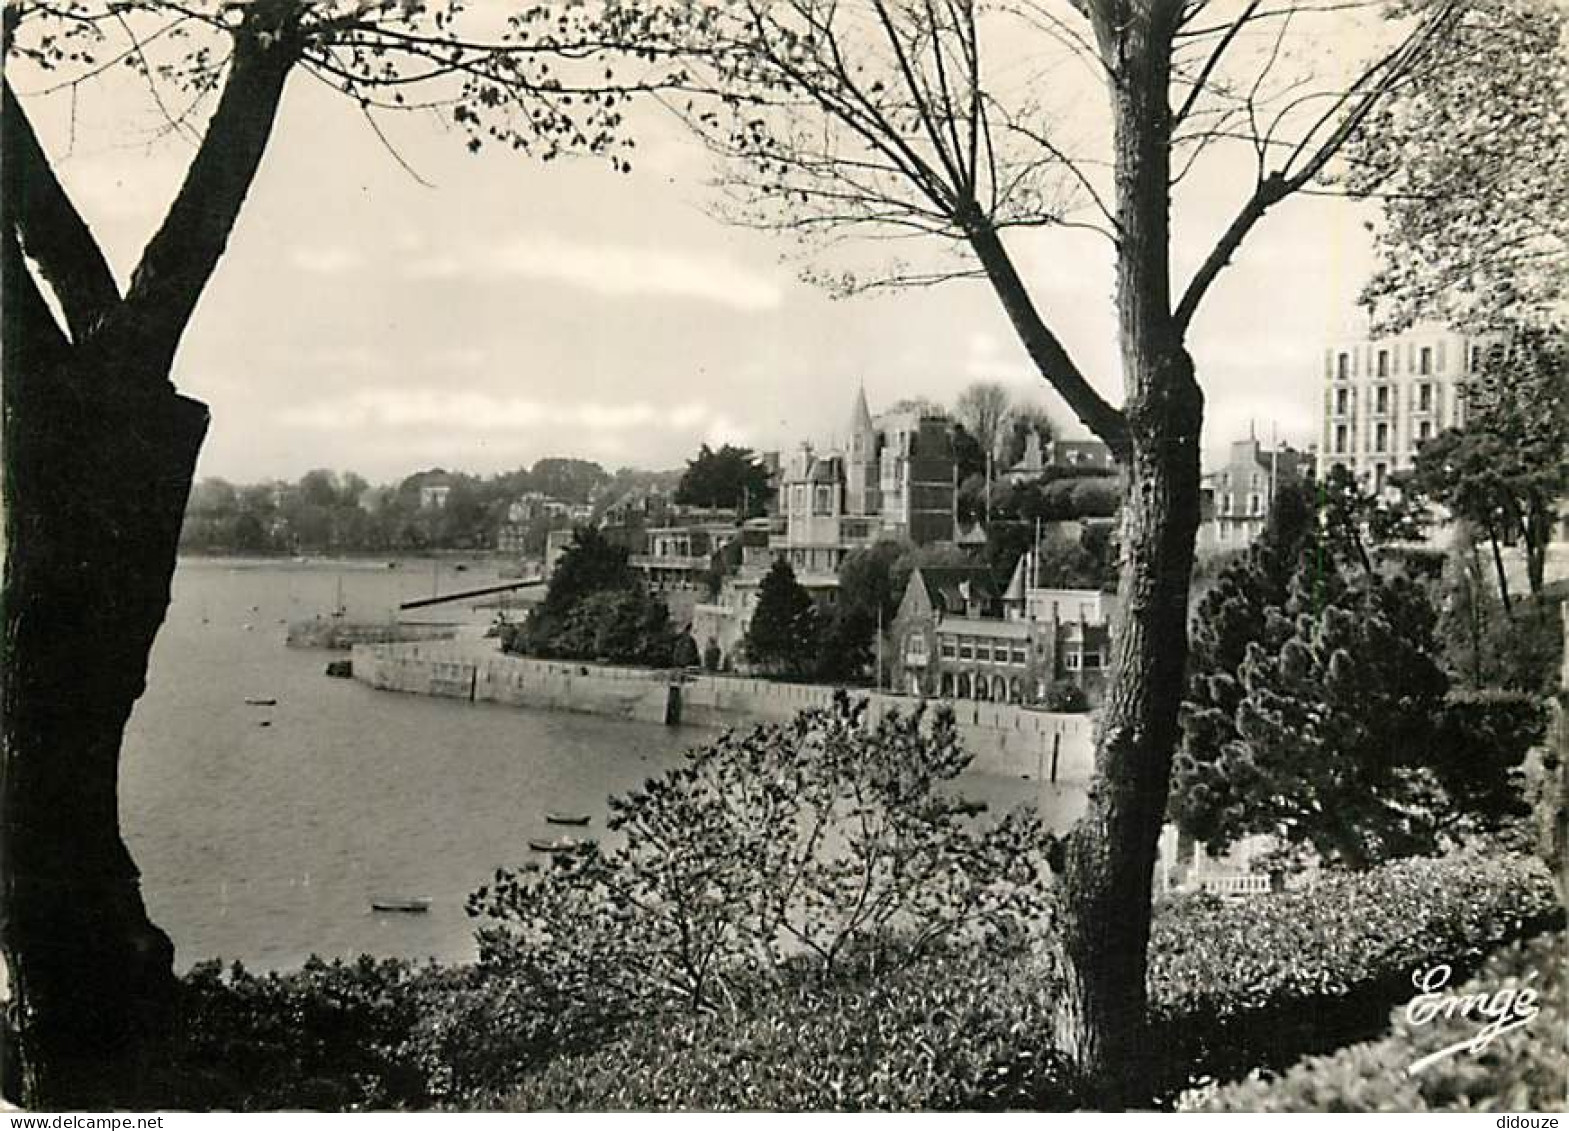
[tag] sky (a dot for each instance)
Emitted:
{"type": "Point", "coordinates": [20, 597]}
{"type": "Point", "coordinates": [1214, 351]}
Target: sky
{"type": "Point", "coordinates": [510, 310]}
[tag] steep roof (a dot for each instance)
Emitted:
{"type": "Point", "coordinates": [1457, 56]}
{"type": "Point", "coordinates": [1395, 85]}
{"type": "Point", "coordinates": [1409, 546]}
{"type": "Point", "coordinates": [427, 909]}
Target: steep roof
{"type": "Point", "coordinates": [860, 415]}
{"type": "Point", "coordinates": [943, 585]}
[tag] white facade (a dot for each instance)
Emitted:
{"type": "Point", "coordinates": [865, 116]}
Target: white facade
{"type": "Point", "coordinates": [1384, 396]}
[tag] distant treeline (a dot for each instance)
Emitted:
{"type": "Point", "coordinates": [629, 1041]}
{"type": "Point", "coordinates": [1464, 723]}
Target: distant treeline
{"type": "Point", "coordinates": [342, 512]}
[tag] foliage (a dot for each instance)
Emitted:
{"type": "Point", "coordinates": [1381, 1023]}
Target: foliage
{"type": "Point", "coordinates": [1485, 647]}
{"type": "Point", "coordinates": [867, 597]}
{"type": "Point", "coordinates": [1237, 985]}
{"type": "Point", "coordinates": [1468, 160]}
{"type": "Point", "coordinates": [1515, 1072]}
{"type": "Point", "coordinates": [1065, 695]}
{"type": "Point", "coordinates": [816, 843]}
{"type": "Point", "coordinates": [330, 1036]}
{"type": "Point", "coordinates": [731, 477]}
{"type": "Point", "coordinates": [596, 607]}
{"type": "Point", "coordinates": [684, 654]}
{"type": "Point", "coordinates": [1478, 753]}
{"type": "Point", "coordinates": [330, 511]}
{"type": "Point", "coordinates": [1505, 470]}
{"type": "Point", "coordinates": [1232, 986]}
{"type": "Point", "coordinates": [1315, 703]}
{"type": "Point", "coordinates": [964, 1032]}
{"type": "Point", "coordinates": [782, 636]}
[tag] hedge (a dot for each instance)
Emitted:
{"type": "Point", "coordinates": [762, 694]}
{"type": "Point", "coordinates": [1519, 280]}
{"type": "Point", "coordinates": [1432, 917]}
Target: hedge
{"type": "Point", "coordinates": [1527, 1070]}
{"type": "Point", "coordinates": [961, 1032]}
{"type": "Point", "coordinates": [1235, 986]}
{"type": "Point", "coordinates": [1232, 986]}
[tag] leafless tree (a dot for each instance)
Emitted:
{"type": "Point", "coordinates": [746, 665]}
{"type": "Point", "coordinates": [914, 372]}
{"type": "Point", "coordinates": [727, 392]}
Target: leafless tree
{"type": "Point", "coordinates": [946, 126]}
{"type": "Point", "coordinates": [985, 408]}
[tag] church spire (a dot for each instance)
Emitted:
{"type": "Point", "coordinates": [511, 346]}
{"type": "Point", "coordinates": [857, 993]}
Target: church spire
{"type": "Point", "coordinates": [860, 415]}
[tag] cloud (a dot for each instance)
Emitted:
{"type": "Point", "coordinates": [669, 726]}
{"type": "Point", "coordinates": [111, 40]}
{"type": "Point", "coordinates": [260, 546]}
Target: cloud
{"type": "Point", "coordinates": [613, 269]}
{"type": "Point", "coordinates": [480, 413]}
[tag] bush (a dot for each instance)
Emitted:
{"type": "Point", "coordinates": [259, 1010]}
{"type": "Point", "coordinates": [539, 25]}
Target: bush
{"type": "Point", "coordinates": [809, 843]}
{"type": "Point", "coordinates": [330, 1036]}
{"type": "Point", "coordinates": [1065, 695]}
{"type": "Point", "coordinates": [1519, 1072]}
{"type": "Point", "coordinates": [965, 1032]}
{"type": "Point", "coordinates": [1234, 986]}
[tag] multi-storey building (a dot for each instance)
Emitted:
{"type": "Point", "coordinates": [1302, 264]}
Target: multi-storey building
{"type": "Point", "coordinates": [894, 478]}
{"type": "Point", "coordinates": [1384, 396]}
{"type": "Point", "coordinates": [1238, 494]}
{"type": "Point", "coordinates": [955, 637]}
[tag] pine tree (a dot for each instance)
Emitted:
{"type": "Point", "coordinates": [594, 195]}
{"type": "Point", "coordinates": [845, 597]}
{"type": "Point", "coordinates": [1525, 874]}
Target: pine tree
{"type": "Point", "coordinates": [783, 634]}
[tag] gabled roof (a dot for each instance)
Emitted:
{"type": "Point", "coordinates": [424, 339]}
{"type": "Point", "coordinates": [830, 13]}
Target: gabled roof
{"type": "Point", "coordinates": [945, 586]}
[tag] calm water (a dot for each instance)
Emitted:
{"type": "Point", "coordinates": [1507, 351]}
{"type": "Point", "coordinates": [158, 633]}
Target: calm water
{"type": "Point", "coordinates": [266, 843]}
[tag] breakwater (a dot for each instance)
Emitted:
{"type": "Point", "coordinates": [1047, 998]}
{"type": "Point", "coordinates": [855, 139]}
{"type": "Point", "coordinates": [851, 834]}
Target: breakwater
{"type": "Point", "coordinates": [1004, 738]}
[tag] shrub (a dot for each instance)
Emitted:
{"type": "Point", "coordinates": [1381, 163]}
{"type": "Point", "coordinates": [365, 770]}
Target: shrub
{"type": "Point", "coordinates": [1065, 695]}
{"type": "Point", "coordinates": [1515, 1072]}
{"type": "Point", "coordinates": [810, 842]}
{"type": "Point", "coordinates": [964, 1032]}
{"type": "Point", "coordinates": [330, 1036]}
{"type": "Point", "coordinates": [1238, 985]}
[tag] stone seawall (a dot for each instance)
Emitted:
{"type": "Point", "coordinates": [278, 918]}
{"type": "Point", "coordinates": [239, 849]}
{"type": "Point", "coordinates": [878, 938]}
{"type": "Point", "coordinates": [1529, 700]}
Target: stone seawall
{"type": "Point", "coordinates": [1004, 739]}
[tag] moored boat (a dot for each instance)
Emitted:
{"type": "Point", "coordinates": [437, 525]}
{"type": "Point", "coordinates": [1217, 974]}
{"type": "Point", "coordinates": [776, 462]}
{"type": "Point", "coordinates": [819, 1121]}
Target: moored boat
{"type": "Point", "coordinates": [405, 906]}
{"type": "Point", "coordinates": [560, 844]}
{"type": "Point", "coordinates": [567, 818]}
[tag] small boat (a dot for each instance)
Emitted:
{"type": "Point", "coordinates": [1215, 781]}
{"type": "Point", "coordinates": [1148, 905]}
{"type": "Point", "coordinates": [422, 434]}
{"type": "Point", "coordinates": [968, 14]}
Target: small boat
{"type": "Point", "coordinates": [402, 906]}
{"type": "Point", "coordinates": [257, 701]}
{"type": "Point", "coordinates": [561, 844]}
{"type": "Point", "coordinates": [567, 818]}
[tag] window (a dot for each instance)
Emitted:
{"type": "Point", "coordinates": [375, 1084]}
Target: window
{"type": "Point", "coordinates": [1381, 400]}
{"type": "Point", "coordinates": [949, 648]}
{"type": "Point", "coordinates": [983, 651]}
{"type": "Point", "coordinates": [1091, 660]}
{"type": "Point", "coordinates": [1383, 363]}
{"type": "Point", "coordinates": [966, 650]}
{"type": "Point", "coordinates": [1476, 358]}
{"type": "Point", "coordinates": [1255, 504]}
{"type": "Point", "coordinates": [915, 645]}
{"type": "Point", "coordinates": [1381, 439]}
{"type": "Point", "coordinates": [1343, 366]}
{"type": "Point", "coordinates": [1424, 397]}
{"type": "Point", "coordinates": [1425, 364]}
{"type": "Point", "coordinates": [1379, 472]}
{"type": "Point", "coordinates": [1342, 401]}
{"type": "Point", "coordinates": [1424, 431]}
{"type": "Point", "coordinates": [1071, 661]}
{"type": "Point", "coordinates": [1020, 655]}
{"type": "Point", "coordinates": [1340, 438]}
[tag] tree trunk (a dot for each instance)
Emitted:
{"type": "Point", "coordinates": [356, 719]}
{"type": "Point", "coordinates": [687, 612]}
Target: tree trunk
{"type": "Point", "coordinates": [1498, 567]}
{"type": "Point", "coordinates": [1109, 855]}
{"type": "Point", "coordinates": [98, 468]}
{"type": "Point", "coordinates": [100, 451]}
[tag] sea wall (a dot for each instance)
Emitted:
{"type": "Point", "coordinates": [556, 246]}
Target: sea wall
{"type": "Point", "coordinates": [1004, 738]}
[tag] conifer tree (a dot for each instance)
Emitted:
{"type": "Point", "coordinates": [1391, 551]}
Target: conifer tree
{"type": "Point", "coordinates": [783, 634]}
